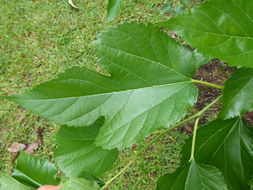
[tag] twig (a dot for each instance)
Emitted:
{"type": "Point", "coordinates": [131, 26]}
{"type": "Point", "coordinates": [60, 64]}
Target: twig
{"type": "Point", "coordinates": [131, 159]}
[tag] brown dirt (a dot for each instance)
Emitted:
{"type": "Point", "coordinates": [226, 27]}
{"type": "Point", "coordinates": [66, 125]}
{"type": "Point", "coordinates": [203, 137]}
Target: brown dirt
{"type": "Point", "coordinates": [215, 72]}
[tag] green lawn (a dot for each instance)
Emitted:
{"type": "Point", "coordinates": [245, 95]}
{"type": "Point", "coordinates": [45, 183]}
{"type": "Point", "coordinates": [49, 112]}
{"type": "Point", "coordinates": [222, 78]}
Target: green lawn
{"type": "Point", "coordinates": [39, 39]}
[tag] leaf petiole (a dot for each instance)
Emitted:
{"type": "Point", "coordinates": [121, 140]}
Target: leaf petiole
{"type": "Point", "coordinates": [207, 83]}
{"type": "Point", "coordinates": [194, 139]}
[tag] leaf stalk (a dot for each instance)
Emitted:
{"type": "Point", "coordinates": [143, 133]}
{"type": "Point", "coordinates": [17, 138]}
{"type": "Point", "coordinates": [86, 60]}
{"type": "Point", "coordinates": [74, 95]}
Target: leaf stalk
{"type": "Point", "coordinates": [207, 84]}
{"type": "Point", "coordinates": [194, 139]}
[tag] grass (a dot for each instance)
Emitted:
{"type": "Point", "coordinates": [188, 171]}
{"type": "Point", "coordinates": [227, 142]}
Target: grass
{"type": "Point", "coordinates": [39, 39]}
{"type": "Point", "coordinates": [158, 159]}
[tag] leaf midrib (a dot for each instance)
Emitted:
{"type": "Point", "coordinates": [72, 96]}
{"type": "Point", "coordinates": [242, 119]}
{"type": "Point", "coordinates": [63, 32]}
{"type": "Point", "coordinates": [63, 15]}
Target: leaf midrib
{"type": "Point", "coordinates": [225, 139]}
{"type": "Point", "coordinates": [107, 93]}
{"type": "Point", "coordinates": [112, 131]}
{"type": "Point", "coordinates": [222, 34]}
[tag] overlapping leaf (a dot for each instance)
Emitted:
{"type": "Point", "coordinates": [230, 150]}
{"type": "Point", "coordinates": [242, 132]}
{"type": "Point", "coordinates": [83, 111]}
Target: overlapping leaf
{"type": "Point", "coordinates": [76, 154]}
{"type": "Point", "coordinates": [149, 86]}
{"type": "Point", "coordinates": [34, 171]}
{"type": "Point", "coordinates": [113, 9]}
{"type": "Point", "coordinates": [193, 176]}
{"type": "Point", "coordinates": [219, 29]}
{"type": "Point", "coordinates": [238, 94]}
{"type": "Point", "coordinates": [227, 145]}
{"type": "Point", "coordinates": [78, 184]}
{"type": "Point", "coordinates": [9, 183]}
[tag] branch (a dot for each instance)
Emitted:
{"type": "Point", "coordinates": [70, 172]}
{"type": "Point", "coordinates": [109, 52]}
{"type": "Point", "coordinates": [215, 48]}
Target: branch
{"type": "Point", "coordinates": [131, 159]}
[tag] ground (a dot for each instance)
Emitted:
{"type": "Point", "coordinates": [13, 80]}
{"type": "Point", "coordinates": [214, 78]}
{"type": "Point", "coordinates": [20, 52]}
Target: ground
{"type": "Point", "coordinates": [39, 39]}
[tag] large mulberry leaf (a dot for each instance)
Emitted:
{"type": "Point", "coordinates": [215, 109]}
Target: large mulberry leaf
{"type": "Point", "coordinates": [193, 176]}
{"type": "Point", "coordinates": [219, 29]}
{"type": "Point", "coordinates": [238, 93]}
{"type": "Point", "coordinates": [149, 86]}
{"type": "Point", "coordinates": [227, 145]}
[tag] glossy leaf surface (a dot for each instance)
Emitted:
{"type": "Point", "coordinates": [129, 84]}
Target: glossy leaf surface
{"type": "Point", "coordinates": [78, 184]}
{"type": "Point", "coordinates": [149, 86]}
{"type": "Point", "coordinates": [9, 183]}
{"type": "Point", "coordinates": [34, 171]}
{"type": "Point", "coordinates": [219, 29]}
{"type": "Point", "coordinates": [76, 154]}
{"type": "Point", "coordinates": [238, 94]}
{"type": "Point", "coordinates": [113, 9]}
{"type": "Point", "coordinates": [227, 145]}
{"type": "Point", "coordinates": [193, 176]}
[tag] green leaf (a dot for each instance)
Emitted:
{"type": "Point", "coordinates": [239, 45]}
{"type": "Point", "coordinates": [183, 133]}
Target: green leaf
{"type": "Point", "coordinates": [76, 154]}
{"type": "Point", "coordinates": [113, 9]}
{"type": "Point", "coordinates": [93, 178]}
{"type": "Point", "coordinates": [219, 29]}
{"type": "Point", "coordinates": [34, 171]}
{"type": "Point", "coordinates": [78, 184]}
{"type": "Point", "coordinates": [149, 86]}
{"type": "Point", "coordinates": [251, 184]}
{"type": "Point", "coordinates": [238, 93]}
{"type": "Point", "coordinates": [193, 176]}
{"type": "Point", "coordinates": [9, 183]}
{"type": "Point", "coordinates": [227, 145]}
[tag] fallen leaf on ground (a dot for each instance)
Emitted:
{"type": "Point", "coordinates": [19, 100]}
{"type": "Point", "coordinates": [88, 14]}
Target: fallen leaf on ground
{"type": "Point", "coordinates": [31, 148]}
{"type": "Point", "coordinates": [16, 147]}
{"type": "Point", "coordinates": [188, 130]}
{"type": "Point", "coordinates": [73, 5]}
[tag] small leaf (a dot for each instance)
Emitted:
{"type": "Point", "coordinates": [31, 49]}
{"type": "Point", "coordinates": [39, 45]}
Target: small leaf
{"type": "Point", "coordinates": [76, 153]}
{"type": "Point", "coordinates": [193, 176]}
{"type": "Point", "coordinates": [78, 184]}
{"type": "Point", "coordinates": [9, 183]}
{"type": "Point", "coordinates": [34, 171]}
{"type": "Point", "coordinates": [15, 148]}
{"type": "Point", "coordinates": [149, 86]}
{"type": "Point", "coordinates": [238, 94]}
{"type": "Point", "coordinates": [113, 9]}
{"type": "Point", "coordinates": [227, 145]}
{"type": "Point", "coordinates": [219, 29]}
